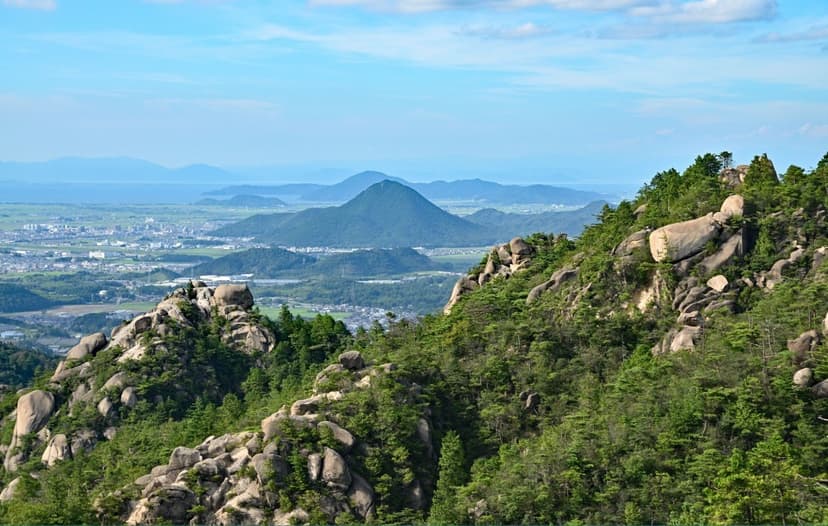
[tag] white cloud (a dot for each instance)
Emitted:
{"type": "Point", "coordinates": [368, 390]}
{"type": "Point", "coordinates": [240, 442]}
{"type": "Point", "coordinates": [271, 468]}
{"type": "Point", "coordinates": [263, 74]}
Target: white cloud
{"type": "Point", "coordinates": [41, 5]}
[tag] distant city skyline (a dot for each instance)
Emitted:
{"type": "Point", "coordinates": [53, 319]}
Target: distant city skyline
{"type": "Point", "coordinates": [524, 91]}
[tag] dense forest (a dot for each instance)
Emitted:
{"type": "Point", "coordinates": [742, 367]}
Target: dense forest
{"type": "Point", "coordinates": [601, 380]}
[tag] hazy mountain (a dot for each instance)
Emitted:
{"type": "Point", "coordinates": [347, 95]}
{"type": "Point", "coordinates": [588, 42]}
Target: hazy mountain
{"type": "Point", "coordinates": [110, 170]}
{"type": "Point", "coordinates": [296, 190]}
{"type": "Point", "coordinates": [570, 222]}
{"type": "Point", "coordinates": [349, 188]}
{"type": "Point", "coordinates": [387, 214]}
{"type": "Point", "coordinates": [463, 190]}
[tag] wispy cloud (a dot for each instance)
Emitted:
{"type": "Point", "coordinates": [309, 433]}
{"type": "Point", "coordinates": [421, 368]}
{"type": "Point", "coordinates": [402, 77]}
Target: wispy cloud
{"type": "Point", "coordinates": [818, 32]}
{"type": "Point", "coordinates": [527, 30]}
{"type": "Point", "coordinates": [813, 130]}
{"type": "Point", "coordinates": [40, 5]}
{"type": "Point", "coordinates": [424, 6]}
{"type": "Point", "coordinates": [672, 11]}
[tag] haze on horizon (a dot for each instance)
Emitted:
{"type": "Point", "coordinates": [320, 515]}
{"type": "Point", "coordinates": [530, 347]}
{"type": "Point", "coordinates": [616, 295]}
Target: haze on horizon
{"type": "Point", "coordinates": [526, 91]}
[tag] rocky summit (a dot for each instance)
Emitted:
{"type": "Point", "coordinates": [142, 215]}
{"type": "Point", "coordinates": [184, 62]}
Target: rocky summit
{"type": "Point", "coordinates": [670, 365]}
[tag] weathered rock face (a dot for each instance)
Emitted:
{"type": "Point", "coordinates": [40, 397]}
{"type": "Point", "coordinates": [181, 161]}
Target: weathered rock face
{"type": "Point", "coordinates": [559, 277]}
{"type": "Point", "coordinates": [228, 295]}
{"type": "Point", "coordinates": [731, 249]}
{"type": "Point", "coordinates": [89, 345]}
{"type": "Point", "coordinates": [464, 285]}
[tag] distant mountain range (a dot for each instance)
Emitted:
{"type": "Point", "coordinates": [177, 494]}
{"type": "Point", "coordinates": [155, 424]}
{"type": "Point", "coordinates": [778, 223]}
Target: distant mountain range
{"type": "Point", "coordinates": [475, 190]}
{"type": "Point", "coordinates": [277, 262]}
{"type": "Point", "coordinates": [390, 214]}
{"type": "Point", "coordinates": [110, 170]}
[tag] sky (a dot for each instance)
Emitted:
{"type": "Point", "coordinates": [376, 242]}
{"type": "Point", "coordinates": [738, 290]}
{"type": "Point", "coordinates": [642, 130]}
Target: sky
{"type": "Point", "coordinates": [527, 91]}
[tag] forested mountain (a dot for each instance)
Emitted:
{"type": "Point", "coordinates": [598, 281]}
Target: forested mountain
{"type": "Point", "coordinates": [278, 262]}
{"type": "Point", "coordinates": [668, 366]}
{"type": "Point", "coordinates": [263, 262]}
{"type": "Point", "coordinates": [389, 214]}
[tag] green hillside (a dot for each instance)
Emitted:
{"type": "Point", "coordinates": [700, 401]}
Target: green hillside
{"type": "Point", "coordinates": [263, 262]}
{"type": "Point", "coordinates": [386, 215]}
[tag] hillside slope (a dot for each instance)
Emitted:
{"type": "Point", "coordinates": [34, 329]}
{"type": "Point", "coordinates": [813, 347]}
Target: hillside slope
{"type": "Point", "coordinates": [670, 365]}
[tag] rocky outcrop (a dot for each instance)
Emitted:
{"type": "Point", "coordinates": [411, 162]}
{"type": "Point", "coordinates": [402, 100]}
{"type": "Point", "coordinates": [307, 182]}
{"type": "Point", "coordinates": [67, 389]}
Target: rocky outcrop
{"type": "Point", "coordinates": [238, 478]}
{"type": "Point", "coordinates": [57, 450]}
{"type": "Point", "coordinates": [502, 261]}
{"type": "Point", "coordinates": [33, 412]}
{"type": "Point", "coordinates": [233, 295]}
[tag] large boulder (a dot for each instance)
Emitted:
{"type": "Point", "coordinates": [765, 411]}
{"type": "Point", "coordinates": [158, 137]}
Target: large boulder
{"type": "Point", "coordinates": [233, 295]}
{"type": "Point", "coordinates": [825, 325]}
{"type": "Point", "coordinates": [519, 247]}
{"type": "Point", "coordinates": [129, 397]}
{"type": "Point", "coordinates": [685, 339]}
{"type": "Point", "coordinates": [335, 472]}
{"type": "Point", "coordinates": [820, 390]}
{"type": "Point", "coordinates": [117, 382]}
{"type": "Point", "coordinates": [672, 243]}
{"type": "Point", "coordinates": [89, 345]}
{"type": "Point", "coordinates": [803, 377]}
{"type": "Point", "coordinates": [632, 243]}
{"type": "Point", "coordinates": [33, 412]}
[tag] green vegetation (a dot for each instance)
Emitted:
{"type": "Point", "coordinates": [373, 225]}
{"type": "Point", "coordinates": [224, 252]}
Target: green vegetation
{"type": "Point", "coordinates": [15, 298]}
{"type": "Point", "coordinates": [19, 366]}
{"type": "Point", "coordinates": [553, 411]}
{"type": "Point", "coordinates": [387, 214]}
{"type": "Point", "coordinates": [263, 262]}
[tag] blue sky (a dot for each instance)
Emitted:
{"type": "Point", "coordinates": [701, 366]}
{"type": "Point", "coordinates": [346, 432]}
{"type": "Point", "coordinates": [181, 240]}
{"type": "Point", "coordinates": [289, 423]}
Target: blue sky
{"type": "Point", "coordinates": [515, 90]}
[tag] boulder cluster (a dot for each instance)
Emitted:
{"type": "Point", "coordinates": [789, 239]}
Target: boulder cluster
{"type": "Point", "coordinates": [503, 261]}
{"type": "Point", "coordinates": [237, 478]}
{"type": "Point", "coordinates": [74, 381]}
